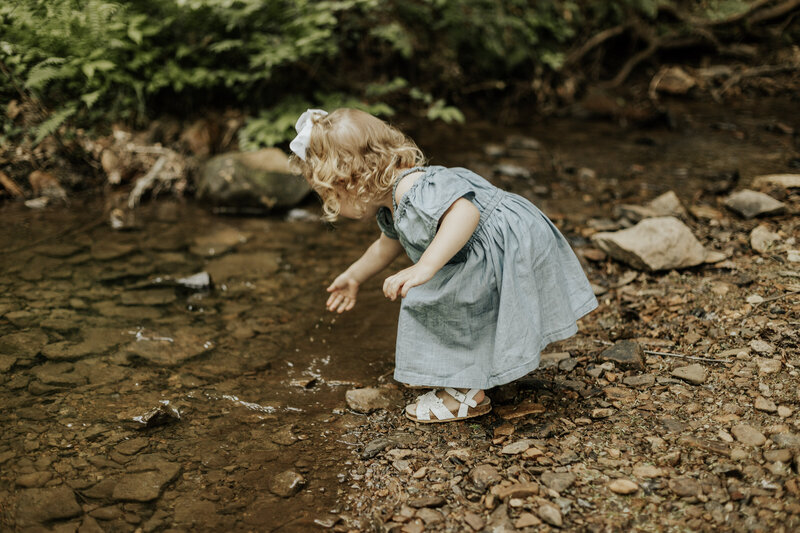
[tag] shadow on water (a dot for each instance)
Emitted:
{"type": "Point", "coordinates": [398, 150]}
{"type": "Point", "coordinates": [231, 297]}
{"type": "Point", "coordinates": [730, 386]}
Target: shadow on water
{"type": "Point", "coordinates": [95, 331]}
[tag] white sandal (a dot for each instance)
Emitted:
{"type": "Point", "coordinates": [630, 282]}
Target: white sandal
{"type": "Point", "coordinates": [429, 403]}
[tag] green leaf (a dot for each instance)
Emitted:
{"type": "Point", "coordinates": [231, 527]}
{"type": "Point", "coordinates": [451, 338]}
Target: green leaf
{"type": "Point", "coordinates": [49, 126]}
{"type": "Point", "coordinates": [90, 98]}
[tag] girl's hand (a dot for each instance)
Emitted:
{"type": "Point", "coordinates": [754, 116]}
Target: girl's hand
{"type": "Point", "coordinates": [400, 283]}
{"type": "Point", "coordinates": [343, 294]}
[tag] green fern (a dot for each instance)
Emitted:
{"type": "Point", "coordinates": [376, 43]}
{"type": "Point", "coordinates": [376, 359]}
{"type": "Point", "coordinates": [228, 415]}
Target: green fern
{"type": "Point", "coordinates": [49, 126]}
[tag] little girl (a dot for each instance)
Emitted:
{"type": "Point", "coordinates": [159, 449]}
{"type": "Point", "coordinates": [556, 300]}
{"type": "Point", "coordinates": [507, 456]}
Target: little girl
{"type": "Point", "coordinates": [493, 280]}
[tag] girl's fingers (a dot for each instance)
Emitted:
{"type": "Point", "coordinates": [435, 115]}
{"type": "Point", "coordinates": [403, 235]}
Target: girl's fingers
{"type": "Point", "coordinates": [336, 300]}
{"type": "Point", "coordinates": [350, 305]}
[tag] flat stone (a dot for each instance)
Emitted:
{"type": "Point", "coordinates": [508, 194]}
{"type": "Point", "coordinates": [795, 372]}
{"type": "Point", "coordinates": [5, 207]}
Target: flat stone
{"type": "Point", "coordinates": [38, 506]}
{"type": "Point", "coordinates": [762, 404]}
{"type": "Point", "coordinates": [474, 521]}
{"type": "Point", "coordinates": [784, 411]}
{"type": "Point", "coordinates": [168, 349]}
{"type": "Point", "coordinates": [59, 374]}
{"type": "Point", "coordinates": [685, 486]}
{"type": "Point", "coordinates": [695, 373]}
{"type": "Point", "coordinates": [146, 479]}
{"type": "Point", "coordinates": [762, 347]}
{"type": "Point", "coordinates": [749, 203]}
{"type": "Point", "coordinates": [625, 353]}
{"type": "Point", "coordinates": [426, 501]}
{"type": "Point", "coordinates": [660, 243]}
{"type": "Point", "coordinates": [550, 515]}
{"type": "Point", "coordinates": [768, 366]}
{"type": "Point", "coordinates": [557, 481]}
{"type": "Point", "coordinates": [243, 266]}
{"type": "Point", "coordinates": [33, 480]}
{"type": "Point", "coordinates": [148, 297]}
{"type": "Point", "coordinates": [524, 408]}
{"type": "Point", "coordinates": [549, 360]}
{"type": "Point", "coordinates": [787, 440]}
{"type": "Point", "coordinates": [6, 362]}
{"type": "Point", "coordinates": [218, 242]}
{"type": "Point", "coordinates": [762, 239]}
{"type": "Point", "coordinates": [287, 484]}
{"type": "Point", "coordinates": [369, 399]}
{"type": "Point", "coordinates": [132, 446]}
{"type": "Point", "coordinates": [430, 516]}
{"type": "Point", "coordinates": [483, 476]}
{"type": "Point", "coordinates": [748, 435]}
{"type": "Point", "coordinates": [623, 486]}
{"type": "Point", "coordinates": [783, 456]}
{"type": "Point", "coordinates": [24, 343]}
{"type": "Point", "coordinates": [110, 512]}
{"type": "Point", "coordinates": [527, 520]}
{"type": "Point", "coordinates": [96, 341]}
{"type": "Point", "coordinates": [517, 490]}
{"type": "Point", "coordinates": [642, 380]}
{"type": "Point", "coordinates": [58, 250]}
{"type": "Point", "coordinates": [516, 448]}
{"type": "Point", "coordinates": [108, 250]}
{"type": "Point", "coordinates": [787, 181]}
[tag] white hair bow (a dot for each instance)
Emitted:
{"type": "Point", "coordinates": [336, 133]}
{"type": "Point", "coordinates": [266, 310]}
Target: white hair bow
{"type": "Point", "coordinates": [303, 126]}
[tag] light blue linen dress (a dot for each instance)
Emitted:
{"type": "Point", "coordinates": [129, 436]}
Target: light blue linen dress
{"type": "Point", "coordinates": [484, 318]}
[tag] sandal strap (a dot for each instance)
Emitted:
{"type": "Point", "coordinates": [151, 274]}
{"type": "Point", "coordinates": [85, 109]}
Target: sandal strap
{"type": "Point", "coordinates": [468, 398]}
{"type": "Point", "coordinates": [430, 403]}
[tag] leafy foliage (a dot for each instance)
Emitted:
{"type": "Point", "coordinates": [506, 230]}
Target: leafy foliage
{"type": "Point", "coordinates": [97, 61]}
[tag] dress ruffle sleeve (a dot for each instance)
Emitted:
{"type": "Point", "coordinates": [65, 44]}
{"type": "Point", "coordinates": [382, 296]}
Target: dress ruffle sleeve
{"type": "Point", "coordinates": [386, 223]}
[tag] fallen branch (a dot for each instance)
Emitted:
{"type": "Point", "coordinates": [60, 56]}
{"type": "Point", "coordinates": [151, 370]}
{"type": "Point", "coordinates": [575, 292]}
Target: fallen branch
{"type": "Point", "coordinates": [594, 41]}
{"type": "Point", "coordinates": [774, 12]}
{"type": "Point", "coordinates": [751, 73]}
{"type": "Point", "coordinates": [10, 185]}
{"type": "Point", "coordinates": [143, 183]}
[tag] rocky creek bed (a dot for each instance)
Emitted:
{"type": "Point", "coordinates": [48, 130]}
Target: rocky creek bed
{"type": "Point", "coordinates": [137, 400]}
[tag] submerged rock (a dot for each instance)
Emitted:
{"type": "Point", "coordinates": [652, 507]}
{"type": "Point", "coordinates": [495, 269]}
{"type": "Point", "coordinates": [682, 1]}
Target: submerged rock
{"type": "Point", "coordinates": [24, 343]}
{"type": "Point", "coordinates": [751, 204]}
{"type": "Point", "coordinates": [167, 350]}
{"type": "Point", "coordinates": [38, 506]}
{"type": "Point", "coordinates": [243, 266]}
{"type": "Point", "coordinates": [287, 484]}
{"type": "Point", "coordinates": [660, 243]}
{"type": "Point", "coordinates": [261, 180]}
{"type": "Point", "coordinates": [218, 242]}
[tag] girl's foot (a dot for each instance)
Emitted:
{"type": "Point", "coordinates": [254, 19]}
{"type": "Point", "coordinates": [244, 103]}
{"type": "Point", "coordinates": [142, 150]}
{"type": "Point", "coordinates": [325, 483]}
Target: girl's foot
{"type": "Point", "coordinates": [446, 405]}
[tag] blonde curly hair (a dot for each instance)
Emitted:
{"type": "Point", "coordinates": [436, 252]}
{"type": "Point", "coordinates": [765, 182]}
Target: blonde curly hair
{"type": "Point", "coordinates": [353, 151]}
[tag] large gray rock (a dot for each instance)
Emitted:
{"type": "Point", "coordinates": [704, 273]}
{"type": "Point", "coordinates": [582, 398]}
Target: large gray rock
{"type": "Point", "coordinates": [659, 243]}
{"type": "Point", "coordinates": [751, 204]}
{"type": "Point", "coordinates": [260, 180]}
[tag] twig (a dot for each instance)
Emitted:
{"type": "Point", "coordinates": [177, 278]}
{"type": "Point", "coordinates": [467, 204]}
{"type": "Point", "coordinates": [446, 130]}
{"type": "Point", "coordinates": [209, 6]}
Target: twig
{"type": "Point", "coordinates": [751, 72]}
{"type": "Point", "coordinates": [779, 297]}
{"type": "Point", "coordinates": [774, 12]}
{"type": "Point", "coordinates": [594, 41]}
{"type": "Point", "coordinates": [668, 354]}
{"type": "Point", "coordinates": [10, 185]}
{"type": "Point", "coordinates": [145, 181]}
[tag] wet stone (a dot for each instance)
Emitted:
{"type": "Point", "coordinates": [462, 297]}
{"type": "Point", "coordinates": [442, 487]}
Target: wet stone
{"type": "Point", "coordinates": [106, 250]}
{"type": "Point", "coordinates": [243, 266]}
{"type": "Point", "coordinates": [96, 341]}
{"type": "Point", "coordinates": [219, 242]}
{"type": "Point", "coordinates": [33, 480]}
{"type": "Point", "coordinates": [107, 513]}
{"type": "Point", "coordinates": [37, 506]}
{"type": "Point", "coordinates": [695, 374]}
{"type": "Point", "coordinates": [24, 343]}
{"type": "Point", "coordinates": [6, 362]}
{"type": "Point", "coordinates": [626, 354]}
{"type": "Point", "coordinates": [132, 446]}
{"type": "Point", "coordinates": [168, 349]}
{"type": "Point", "coordinates": [148, 297]}
{"type": "Point", "coordinates": [558, 481]}
{"type": "Point", "coordinates": [748, 435]}
{"type": "Point", "coordinates": [147, 476]}
{"type": "Point", "coordinates": [287, 484]}
{"type": "Point", "coordinates": [371, 399]}
{"type": "Point", "coordinates": [59, 374]}
{"type": "Point", "coordinates": [58, 250]}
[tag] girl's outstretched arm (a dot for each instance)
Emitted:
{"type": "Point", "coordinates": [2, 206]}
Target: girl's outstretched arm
{"type": "Point", "coordinates": [455, 228]}
{"type": "Point", "coordinates": [344, 288]}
